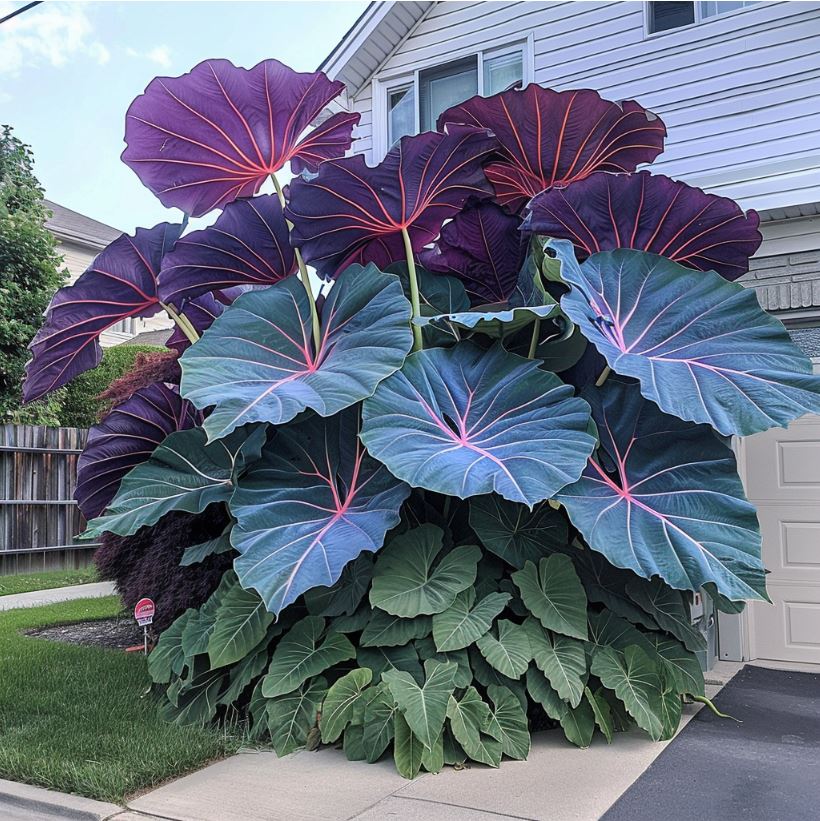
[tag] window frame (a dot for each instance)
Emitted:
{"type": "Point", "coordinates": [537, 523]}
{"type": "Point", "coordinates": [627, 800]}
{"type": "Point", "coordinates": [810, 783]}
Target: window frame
{"type": "Point", "coordinates": [384, 84]}
{"type": "Point", "coordinates": [699, 19]}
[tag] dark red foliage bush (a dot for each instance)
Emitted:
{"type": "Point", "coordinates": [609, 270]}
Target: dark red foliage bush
{"type": "Point", "coordinates": [148, 368]}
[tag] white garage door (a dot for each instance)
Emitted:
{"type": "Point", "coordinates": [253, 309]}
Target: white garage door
{"type": "Point", "coordinates": [783, 481]}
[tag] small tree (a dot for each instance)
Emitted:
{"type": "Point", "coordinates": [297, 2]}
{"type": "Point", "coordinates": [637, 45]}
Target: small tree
{"type": "Point", "coordinates": [29, 273]}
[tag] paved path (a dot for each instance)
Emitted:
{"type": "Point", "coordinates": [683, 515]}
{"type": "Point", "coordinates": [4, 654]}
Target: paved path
{"type": "Point", "coordinates": [57, 594]}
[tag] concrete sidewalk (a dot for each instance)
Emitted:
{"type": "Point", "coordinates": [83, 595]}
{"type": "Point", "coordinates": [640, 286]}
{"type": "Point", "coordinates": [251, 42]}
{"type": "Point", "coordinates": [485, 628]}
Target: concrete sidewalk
{"type": "Point", "coordinates": [56, 594]}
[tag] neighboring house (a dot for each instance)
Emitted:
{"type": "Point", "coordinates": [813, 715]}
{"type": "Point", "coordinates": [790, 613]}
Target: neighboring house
{"type": "Point", "coordinates": [79, 240]}
{"type": "Point", "coordinates": [738, 86]}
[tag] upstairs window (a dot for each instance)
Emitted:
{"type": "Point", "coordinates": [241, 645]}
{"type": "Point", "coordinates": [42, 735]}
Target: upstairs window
{"type": "Point", "coordinates": [669, 15]}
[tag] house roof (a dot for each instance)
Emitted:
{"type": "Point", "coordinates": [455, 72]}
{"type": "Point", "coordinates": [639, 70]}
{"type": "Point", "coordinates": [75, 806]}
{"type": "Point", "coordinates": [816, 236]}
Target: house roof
{"type": "Point", "coordinates": [158, 337]}
{"type": "Point", "coordinates": [75, 227]}
{"type": "Point", "coordinates": [380, 29]}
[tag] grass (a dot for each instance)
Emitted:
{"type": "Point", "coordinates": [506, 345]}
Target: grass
{"type": "Point", "coordinates": [77, 719]}
{"type": "Point", "coordinates": [26, 582]}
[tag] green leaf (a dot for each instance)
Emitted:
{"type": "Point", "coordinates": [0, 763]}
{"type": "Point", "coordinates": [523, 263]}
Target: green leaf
{"type": "Point", "coordinates": [602, 713]}
{"type": "Point", "coordinates": [302, 654]}
{"type": "Point", "coordinates": [424, 707]}
{"type": "Point", "coordinates": [432, 760]}
{"type": "Point", "coordinates": [345, 596]}
{"type": "Point", "coordinates": [671, 707]}
{"type": "Point", "coordinates": [608, 630]}
{"type": "Point", "coordinates": [508, 723]}
{"type": "Point", "coordinates": [462, 624]}
{"type": "Point", "coordinates": [426, 648]}
{"type": "Point", "coordinates": [509, 652]}
{"type": "Point", "coordinates": [469, 717]}
{"type": "Point", "coordinates": [352, 624]}
{"type": "Point", "coordinates": [353, 743]}
{"type": "Point", "coordinates": [560, 354]}
{"type": "Point", "coordinates": [184, 473]}
{"type": "Point", "coordinates": [379, 723]}
{"type": "Point", "coordinates": [200, 625]}
{"type": "Point", "coordinates": [384, 630]}
{"type": "Point", "coordinates": [554, 595]}
{"type": "Point", "coordinates": [195, 702]}
{"type": "Point", "coordinates": [454, 755]}
{"type": "Point", "coordinates": [407, 749]}
{"type": "Point", "coordinates": [670, 609]}
{"type": "Point", "coordinates": [292, 716]}
{"type": "Point", "coordinates": [486, 675]}
{"type": "Point", "coordinates": [495, 320]}
{"type": "Point", "coordinates": [241, 623]}
{"type": "Point", "coordinates": [253, 364]}
{"type": "Point", "coordinates": [544, 693]}
{"type": "Point", "coordinates": [199, 552]}
{"type": "Point", "coordinates": [578, 724]}
{"type": "Point", "coordinates": [682, 665]}
{"type": "Point", "coordinates": [635, 679]}
{"type": "Point", "coordinates": [379, 659]}
{"type": "Point", "coordinates": [515, 533]}
{"type": "Point", "coordinates": [167, 659]}
{"type": "Point", "coordinates": [406, 584]}
{"type": "Point", "coordinates": [244, 673]}
{"type": "Point", "coordinates": [340, 703]}
{"type": "Point", "coordinates": [561, 659]}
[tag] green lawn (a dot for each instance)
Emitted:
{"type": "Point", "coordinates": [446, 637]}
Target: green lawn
{"type": "Point", "coordinates": [74, 718]}
{"type": "Point", "coordinates": [27, 582]}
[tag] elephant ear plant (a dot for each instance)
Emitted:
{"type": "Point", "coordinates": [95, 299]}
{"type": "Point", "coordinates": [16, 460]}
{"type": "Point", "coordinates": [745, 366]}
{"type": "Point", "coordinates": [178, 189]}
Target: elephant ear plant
{"type": "Point", "coordinates": [472, 481]}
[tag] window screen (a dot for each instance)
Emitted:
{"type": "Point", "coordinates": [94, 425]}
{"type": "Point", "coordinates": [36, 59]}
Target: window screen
{"type": "Point", "coordinates": [446, 86]}
{"type": "Point", "coordinates": [503, 72]}
{"type": "Point", "coordinates": [401, 106]}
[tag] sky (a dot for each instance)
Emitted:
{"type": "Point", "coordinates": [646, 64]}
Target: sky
{"type": "Point", "coordinates": [69, 70]}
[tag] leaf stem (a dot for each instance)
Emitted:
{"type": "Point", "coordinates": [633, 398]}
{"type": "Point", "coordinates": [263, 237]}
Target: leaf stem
{"type": "Point", "coordinates": [711, 706]}
{"type": "Point", "coordinates": [182, 322]}
{"type": "Point", "coordinates": [602, 378]}
{"type": "Point", "coordinates": [303, 273]}
{"type": "Point", "coordinates": [414, 290]}
{"type": "Point", "coordinates": [536, 331]}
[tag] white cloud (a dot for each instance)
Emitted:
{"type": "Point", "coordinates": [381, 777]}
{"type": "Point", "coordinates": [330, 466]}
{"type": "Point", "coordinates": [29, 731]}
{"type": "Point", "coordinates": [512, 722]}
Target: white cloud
{"type": "Point", "coordinates": [50, 34]}
{"type": "Point", "coordinates": [161, 55]}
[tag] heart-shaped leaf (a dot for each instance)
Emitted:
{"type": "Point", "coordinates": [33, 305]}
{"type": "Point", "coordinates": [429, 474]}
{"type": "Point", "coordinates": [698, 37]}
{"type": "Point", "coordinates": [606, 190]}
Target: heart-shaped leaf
{"type": "Point", "coordinates": [549, 137]}
{"type": "Point", "coordinates": [406, 584]}
{"type": "Point", "coordinates": [462, 623]}
{"type": "Point", "coordinates": [484, 248]}
{"type": "Point", "coordinates": [678, 513]}
{"type": "Point", "coordinates": [257, 362]}
{"type": "Point", "coordinates": [464, 421]}
{"type": "Point", "coordinates": [291, 717]}
{"type": "Point", "coordinates": [426, 649]}
{"type": "Point", "coordinates": [241, 623]}
{"type": "Point", "coordinates": [341, 702]}
{"type": "Point", "coordinates": [649, 212]}
{"type": "Point", "coordinates": [351, 212]}
{"type": "Point", "coordinates": [602, 712]}
{"type": "Point", "coordinates": [423, 707]}
{"type": "Point", "coordinates": [634, 678]}
{"type": "Point", "coordinates": [408, 750]}
{"type": "Point", "coordinates": [669, 609]}
{"type": "Point", "coordinates": [541, 691]}
{"type": "Point", "coordinates": [201, 140]}
{"type": "Point", "coordinates": [184, 473]}
{"type": "Point", "coordinates": [681, 665]}
{"type": "Point", "coordinates": [119, 284]}
{"type": "Point", "coordinates": [508, 723]}
{"type": "Point", "coordinates": [578, 724]}
{"type": "Point", "coordinates": [302, 653]}
{"type": "Point", "coordinates": [384, 630]}
{"type": "Point", "coordinates": [380, 659]}
{"type": "Point", "coordinates": [561, 659]}
{"type": "Point", "coordinates": [313, 502]}
{"type": "Point", "coordinates": [508, 652]}
{"type": "Point", "coordinates": [199, 552]}
{"type": "Point", "coordinates": [702, 347]}
{"type": "Point", "coordinates": [513, 532]}
{"type": "Point", "coordinates": [553, 593]}
{"type": "Point", "coordinates": [344, 597]}
{"type": "Point", "coordinates": [469, 717]}
{"type": "Point", "coordinates": [379, 723]}
{"type": "Point", "coordinates": [126, 437]}
{"type": "Point", "coordinates": [248, 244]}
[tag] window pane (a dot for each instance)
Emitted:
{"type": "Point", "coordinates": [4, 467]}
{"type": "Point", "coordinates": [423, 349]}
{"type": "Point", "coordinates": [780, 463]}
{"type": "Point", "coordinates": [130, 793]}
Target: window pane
{"type": "Point", "coordinates": [710, 9]}
{"type": "Point", "coordinates": [401, 105]}
{"type": "Point", "coordinates": [441, 88]}
{"type": "Point", "coordinates": [503, 72]}
{"type": "Point", "coordinates": [671, 15]}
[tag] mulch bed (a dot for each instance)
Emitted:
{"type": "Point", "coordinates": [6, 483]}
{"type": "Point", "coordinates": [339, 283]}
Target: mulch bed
{"type": "Point", "coordinates": [114, 633]}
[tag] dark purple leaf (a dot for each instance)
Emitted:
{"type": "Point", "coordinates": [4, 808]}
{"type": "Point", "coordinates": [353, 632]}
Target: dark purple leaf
{"type": "Point", "coordinates": [121, 283]}
{"type": "Point", "coordinates": [201, 140]}
{"type": "Point", "coordinates": [125, 438]}
{"type": "Point", "coordinates": [650, 213]}
{"type": "Point", "coordinates": [550, 137]}
{"type": "Point", "coordinates": [201, 312]}
{"type": "Point", "coordinates": [352, 213]}
{"type": "Point", "coordinates": [484, 248]}
{"type": "Point", "coordinates": [247, 245]}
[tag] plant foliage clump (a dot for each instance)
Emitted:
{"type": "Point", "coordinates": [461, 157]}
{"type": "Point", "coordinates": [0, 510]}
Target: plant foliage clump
{"type": "Point", "coordinates": [469, 485]}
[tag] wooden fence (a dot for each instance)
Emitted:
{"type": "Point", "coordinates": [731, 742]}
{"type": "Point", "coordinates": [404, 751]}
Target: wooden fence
{"type": "Point", "coordinates": [39, 518]}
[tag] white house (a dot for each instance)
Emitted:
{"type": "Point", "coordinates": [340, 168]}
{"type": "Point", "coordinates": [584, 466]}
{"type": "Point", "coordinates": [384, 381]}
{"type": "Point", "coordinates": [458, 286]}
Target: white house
{"type": "Point", "coordinates": [738, 86]}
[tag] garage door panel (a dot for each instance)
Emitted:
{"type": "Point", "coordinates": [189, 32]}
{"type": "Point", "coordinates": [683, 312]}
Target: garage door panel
{"type": "Point", "coordinates": [784, 465]}
{"type": "Point", "coordinates": [791, 541]}
{"type": "Point", "coordinates": [789, 629]}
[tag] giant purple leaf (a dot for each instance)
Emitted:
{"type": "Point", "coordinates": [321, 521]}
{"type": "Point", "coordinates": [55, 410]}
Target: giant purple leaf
{"type": "Point", "coordinates": [125, 438]}
{"type": "Point", "coordinates": [484, 248]}
{"type": "Point", "coordinates": [312, 503]}
{"type": "Point", "coordinates": [673, 506]}
{"type": "Point", "coordinates": [351, 212]}
{"type": "Point", "coordinates": [550, 137]}
{"type": "Point", "coordinates": [701, 347]}
{"type": "Point", "coordinates": [248, 245]}
{"type": "Point", "coordinates": [121, 283]}
{"type": "Point", "coordinates": [201, 140]}
{"type": "Point", "coordinates": [200, 311]}
{"type": "Point", "coordinates": [651, 213]}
